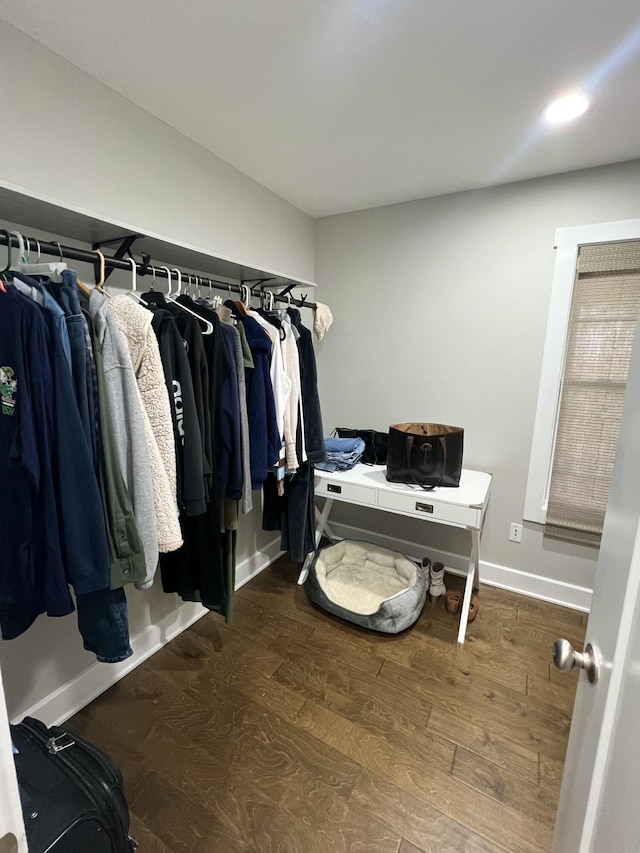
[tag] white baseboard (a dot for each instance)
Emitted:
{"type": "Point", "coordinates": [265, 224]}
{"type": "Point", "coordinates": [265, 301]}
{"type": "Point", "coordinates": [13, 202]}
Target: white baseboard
{"type": "Point", "coordinates": [70, 697]}
{"type": "Point", "coordinates": [524, 583]}
{"type": "Point", "coordinates": [535, 586]}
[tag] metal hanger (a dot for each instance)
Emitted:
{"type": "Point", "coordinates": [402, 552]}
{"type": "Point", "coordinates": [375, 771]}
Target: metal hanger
{"type": "Point", "coordinates": [8, 266]}
{"type": "Point", "coordinates": [208, 330]}
{"type": "Point", "coordinates": [51, 270]}
{"type": "Point", "coordinates": [156, 297]}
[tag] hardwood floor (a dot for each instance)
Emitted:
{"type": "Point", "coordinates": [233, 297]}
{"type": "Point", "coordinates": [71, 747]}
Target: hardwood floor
{"type": "Point", "coordinates": [293, 732]}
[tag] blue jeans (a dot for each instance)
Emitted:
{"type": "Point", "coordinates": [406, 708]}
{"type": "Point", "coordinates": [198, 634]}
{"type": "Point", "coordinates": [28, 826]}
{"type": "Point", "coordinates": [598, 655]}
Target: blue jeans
{"type": "Point", "coordinates": [104, 624]}
{"type": "Point", "coordinates": [342, 454]}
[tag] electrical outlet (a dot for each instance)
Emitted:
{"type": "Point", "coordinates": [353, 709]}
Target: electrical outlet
{"type": "Point", "coordinates": [515, 532]}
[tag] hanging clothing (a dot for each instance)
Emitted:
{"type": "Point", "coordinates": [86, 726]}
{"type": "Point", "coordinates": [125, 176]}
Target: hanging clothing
{"type": "Point", "coordinates": [104, 624]}
{"type": "Point", "coordinates": [78, 503]}
{"type": "Point", "coordinates": [36, 291]}
{"type": "Point", "coordinates": [294, 425]}
{"type": "Point", "coordinates": [292, 510]}
{"type": "Point", "coordinates": [134, 322]}
{"type": "Point", "coordinates": [191, 332]}
{"type": "Point", "coordinates": [230, 456]}
{"type": "Point", "coordinates": [264, 436]}
{"type": "Point", "coordinates": [281, 384]}
{"type": "Point", "coordinates": [125, 546]}
{"type": "Point", "coordinates": [314, 433]}
{"type": "Point", "coordinates": [102, 617]}
{"type": "Point", "coordinates": [322, 320]}
{"type": "Point", "coordinates": [127, 421]}
{"type": "Point", "coordinates": [247, 357]}
{"type": "Point", "coordinates": [199, 571]}
{"type": "Point", "coordinates": [191, 487]}
{"type": "Point", "coordinates": [228, 447]}
{"type": "Point", "coordinates": [66, 294]}
{"type": "Point", "coordinates": [246, 503]}
{"type": "Point", "coordinates": [127, 435]}
{"type": "Point", "coordinates": [32, 574]}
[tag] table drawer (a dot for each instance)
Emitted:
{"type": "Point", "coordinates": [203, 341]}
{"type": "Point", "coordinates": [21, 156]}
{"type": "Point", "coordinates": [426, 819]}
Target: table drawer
{"type": "Point", "coordinates": [422, 506]}
{"type": "Point", "coordinates": [346, 492]}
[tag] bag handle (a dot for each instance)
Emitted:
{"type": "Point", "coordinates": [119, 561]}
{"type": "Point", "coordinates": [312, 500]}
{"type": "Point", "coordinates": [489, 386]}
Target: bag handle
{"type": "Point", "coordinates": [408, 446]}
{"type": "Point", "coordinates": [372, 439]}
{"type": "Point", "coordinates": [370, 433]}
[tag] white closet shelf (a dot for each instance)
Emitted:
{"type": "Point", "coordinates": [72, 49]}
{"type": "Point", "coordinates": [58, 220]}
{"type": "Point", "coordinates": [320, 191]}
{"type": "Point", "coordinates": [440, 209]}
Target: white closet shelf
{"type": "Point", "coordinates": [40, 212]}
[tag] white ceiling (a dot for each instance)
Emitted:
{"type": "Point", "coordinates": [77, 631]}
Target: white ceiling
{"type": "Point", "coordinates": [339, 105]}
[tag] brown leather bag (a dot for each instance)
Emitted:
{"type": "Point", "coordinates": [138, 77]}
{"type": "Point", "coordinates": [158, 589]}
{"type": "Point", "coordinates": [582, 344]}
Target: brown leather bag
{"type": "Point", "coordinates": [426, 455]}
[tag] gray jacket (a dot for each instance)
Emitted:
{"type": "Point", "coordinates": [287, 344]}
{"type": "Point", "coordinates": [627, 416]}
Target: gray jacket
{"type": "Point", "coordinates": [125, 407]}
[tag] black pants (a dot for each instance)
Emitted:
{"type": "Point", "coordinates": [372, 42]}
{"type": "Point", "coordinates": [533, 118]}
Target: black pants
{"type": "Point", "coordinates": [293, 513]}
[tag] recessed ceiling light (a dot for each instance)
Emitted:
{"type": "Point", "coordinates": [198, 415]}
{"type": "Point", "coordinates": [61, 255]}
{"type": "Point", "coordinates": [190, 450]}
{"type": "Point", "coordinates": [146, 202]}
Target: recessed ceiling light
{"type": "Point", "coordinates": [566, 108]}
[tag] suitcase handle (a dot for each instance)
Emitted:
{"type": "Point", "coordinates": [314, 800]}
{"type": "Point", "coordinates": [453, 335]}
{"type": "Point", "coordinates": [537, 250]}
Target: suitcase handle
{"type": "Point", "coordinates": [54, 747]}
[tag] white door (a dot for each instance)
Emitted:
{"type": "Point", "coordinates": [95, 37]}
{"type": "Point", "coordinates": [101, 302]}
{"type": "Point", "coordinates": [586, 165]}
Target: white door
{"type": "Point", "coordinates": [598, 810]}
{"type": "Point", "coordinates": [12, 837]}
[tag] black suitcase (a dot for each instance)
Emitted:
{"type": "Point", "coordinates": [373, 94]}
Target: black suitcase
{"type": "Point", "coordinates": [71, 793]}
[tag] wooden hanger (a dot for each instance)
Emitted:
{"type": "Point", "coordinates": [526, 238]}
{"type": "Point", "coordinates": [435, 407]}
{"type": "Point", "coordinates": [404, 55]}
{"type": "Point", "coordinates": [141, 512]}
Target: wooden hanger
{"type": "Point", "coordinates": [100, 284]}
{"type": "Point", "coordinates": [82, 287]}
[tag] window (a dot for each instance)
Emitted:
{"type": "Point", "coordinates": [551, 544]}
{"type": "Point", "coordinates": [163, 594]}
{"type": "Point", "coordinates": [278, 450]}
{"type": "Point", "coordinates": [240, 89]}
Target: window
{"type": "Point", "coordinates": [592, 319]}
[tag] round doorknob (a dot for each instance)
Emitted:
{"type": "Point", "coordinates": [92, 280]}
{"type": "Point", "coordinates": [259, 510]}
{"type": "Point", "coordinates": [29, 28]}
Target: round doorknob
{"type": "Point", "coordinates": [565, 657]}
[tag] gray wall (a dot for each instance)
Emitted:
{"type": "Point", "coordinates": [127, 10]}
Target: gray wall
{"type": "Point", "coordinates": [440, 311]}
{"type": "Point", "coordinates": [72, 139]}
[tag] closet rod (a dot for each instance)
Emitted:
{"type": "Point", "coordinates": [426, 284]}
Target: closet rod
{"type": "Point", "coordinates": [89, 257]}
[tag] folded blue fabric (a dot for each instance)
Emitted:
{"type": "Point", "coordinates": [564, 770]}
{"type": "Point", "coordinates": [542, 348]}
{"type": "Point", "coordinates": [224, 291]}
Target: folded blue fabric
{"type": "Point", "coordinates": [343, 457]}
{"type": "Point", "coordinates": [331, 467]}
{"type": "Point", "coordinates": [344, 445]}
{"type": "Point", "coordinates": [342, 454]}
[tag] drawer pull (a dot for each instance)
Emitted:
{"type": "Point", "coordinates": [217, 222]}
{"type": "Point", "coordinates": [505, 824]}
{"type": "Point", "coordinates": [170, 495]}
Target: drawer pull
{"type": "Point", "coordinates": [424, 507]}
{"type": "Point", "coordinates": [336, 489]}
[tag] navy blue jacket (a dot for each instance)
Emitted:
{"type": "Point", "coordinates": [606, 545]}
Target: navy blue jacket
{"type": "Point", "coordinates": [83, 534]}
{"type": "Point", "coordinates": [264, 437]}
{"type": "Point", "coordinates": [230, 448]}
{"type": "Point", "coordinates": [32, 575]}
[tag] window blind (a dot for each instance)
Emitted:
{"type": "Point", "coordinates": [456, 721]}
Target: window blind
{"type": "Point", "coordinates": [602, 322]}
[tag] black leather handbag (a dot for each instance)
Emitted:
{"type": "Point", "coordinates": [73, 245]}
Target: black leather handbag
{"type": "Point", "coordinates": [426, 455]}
{"type": "Point", "coordinates": [375, 443]}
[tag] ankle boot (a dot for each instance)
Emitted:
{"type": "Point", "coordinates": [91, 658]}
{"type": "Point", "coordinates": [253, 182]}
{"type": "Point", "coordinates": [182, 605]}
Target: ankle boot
{"type": "Point", "coordinates": [436, 587]}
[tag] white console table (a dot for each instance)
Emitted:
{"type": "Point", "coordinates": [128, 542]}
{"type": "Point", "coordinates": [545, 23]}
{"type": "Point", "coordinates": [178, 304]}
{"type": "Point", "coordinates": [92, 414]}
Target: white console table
{"type": "Point", "coordinates": [367, 486]}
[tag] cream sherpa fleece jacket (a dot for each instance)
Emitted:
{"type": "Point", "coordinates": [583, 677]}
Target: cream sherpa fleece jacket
{"type": "Point", "coordinates": [134, 322]}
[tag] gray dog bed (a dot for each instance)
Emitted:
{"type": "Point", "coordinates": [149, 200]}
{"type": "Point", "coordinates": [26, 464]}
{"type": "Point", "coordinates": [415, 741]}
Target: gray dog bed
{"type": "Point", "coordinates": [371, 586]}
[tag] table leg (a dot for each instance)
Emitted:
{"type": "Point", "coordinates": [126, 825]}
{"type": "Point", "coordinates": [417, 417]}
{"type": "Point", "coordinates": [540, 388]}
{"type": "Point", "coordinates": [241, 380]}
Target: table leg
{"type": "Point", "coordinates": [472, 583]}
{"type": "Point", "coordinates": [475, 558]}
{"type": "Point", "coordinates": [329, 532]}
{"type": "Point", "coordinates": [321, 519]}
{"type": "Point", "coordinates": [464, 610]}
